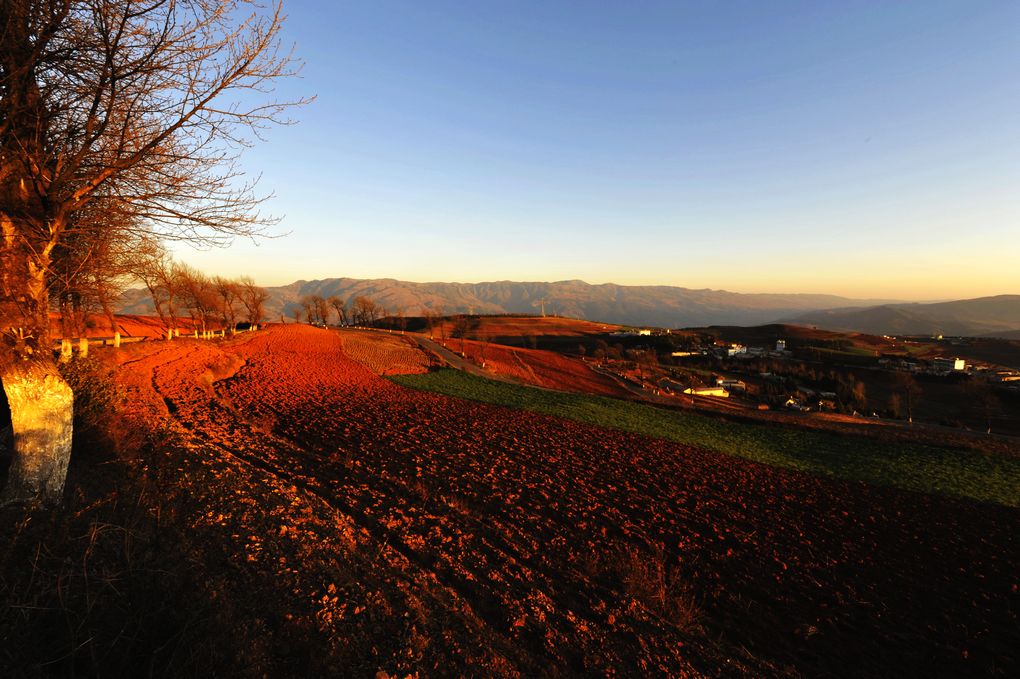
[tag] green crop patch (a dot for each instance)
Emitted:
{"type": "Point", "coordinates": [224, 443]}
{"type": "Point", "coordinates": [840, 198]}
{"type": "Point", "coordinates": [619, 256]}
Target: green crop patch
{"type": "Point", "coordinates": [928, 469]}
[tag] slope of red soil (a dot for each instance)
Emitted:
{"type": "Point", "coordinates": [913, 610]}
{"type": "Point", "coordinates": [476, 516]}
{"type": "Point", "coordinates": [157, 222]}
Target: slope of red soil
{"type": "Point", "coordinates": [381, 528]}
{"type": "Point", "coordinates": [527, 326]}
{"type": "Point", "coordinates": [539, 367]}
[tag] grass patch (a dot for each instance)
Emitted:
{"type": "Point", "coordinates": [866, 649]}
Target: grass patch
{"type": "Point", "coordinates": [928, 469]}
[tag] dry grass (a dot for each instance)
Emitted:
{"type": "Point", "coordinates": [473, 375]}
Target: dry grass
{"type": "Point", "coordinates": [100, 586]}
{"type": "Point", "coordinates": [648, 576]}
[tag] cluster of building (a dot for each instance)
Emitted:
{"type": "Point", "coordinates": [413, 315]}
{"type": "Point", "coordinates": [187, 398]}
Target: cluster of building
{"type": "Point", "coordinates": [940, 365]}
{"type": "Point", "coordinates": [741, 351]}
{"type": "Point", "coordinates": [634, 332]}
{"type": "Point", "coordinates": [738, 351]}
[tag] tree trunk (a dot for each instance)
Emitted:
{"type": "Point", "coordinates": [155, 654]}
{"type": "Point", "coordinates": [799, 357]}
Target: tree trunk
{"type": "Point", "coordinates": [41, 406]}
{"type": "Point", "coordinates": [40, 401]}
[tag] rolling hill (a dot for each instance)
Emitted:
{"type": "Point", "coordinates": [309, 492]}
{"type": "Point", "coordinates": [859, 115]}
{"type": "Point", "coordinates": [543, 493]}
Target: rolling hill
{"type": "Point", "coordinates": [997, 316]}
{"type": "Point", "coordinates": [664, 306]}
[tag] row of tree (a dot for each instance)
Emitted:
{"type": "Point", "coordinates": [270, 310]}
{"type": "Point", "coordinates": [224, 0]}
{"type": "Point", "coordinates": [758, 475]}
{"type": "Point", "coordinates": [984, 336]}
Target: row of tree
{"type": "Point", "coordinates": [91, 281]}
{"type": "Point", "coordinates": [208, 300]}
{"type": "Point", "coordinates": [319, 310]}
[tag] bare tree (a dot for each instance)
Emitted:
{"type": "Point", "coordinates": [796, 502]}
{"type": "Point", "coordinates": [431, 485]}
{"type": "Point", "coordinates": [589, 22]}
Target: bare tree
{"type": "Point", "coordinates": [92, 267]}
{"type": "Point", "coordinates": [464, 326]}
{"type": "Point", "coordinates": [905, 384]}
{"type": "Point", "coordinates": [229, 292]}
{"type": "Point", "coordinates": [139, 106]}
{"type": "Point", "coordinates": [254, 299]}
{"type": "Point", "coordinates": [339, 308]}
{"type": "Point", "coordinates": [401, 319]}
{"type": "Point", "coordinates": [860, 396]}
{"type": "Point", "coordinates": [429, 315]}
{"type": "Point", "coordinates": [309, 309]}
{"type": "Point", "coordinates": [321, 308]}
{"type": "Point", "coordinates": [199, 296]}
{"type": "Point", "coordinates": [364, 310]}
{"type": "Point", "coordinates": [158, 272]}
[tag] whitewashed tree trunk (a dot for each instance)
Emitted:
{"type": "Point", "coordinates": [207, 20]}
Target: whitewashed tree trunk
{"type": "Point", "coordinates": [116, 339]}
{"type": "Point", "coordinates": [83, 347]}
{"type": "Point", "coordinates": [41, 405]}
{"type": "Point", "coordinates": [65, 350]}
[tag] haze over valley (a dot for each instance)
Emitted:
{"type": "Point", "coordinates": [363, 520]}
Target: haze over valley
{"type": "Point", "coordinates": [659, 306]}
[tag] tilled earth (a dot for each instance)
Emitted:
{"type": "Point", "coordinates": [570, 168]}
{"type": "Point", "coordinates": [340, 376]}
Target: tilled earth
{"type": "Point", "coordinates": [358, 526]}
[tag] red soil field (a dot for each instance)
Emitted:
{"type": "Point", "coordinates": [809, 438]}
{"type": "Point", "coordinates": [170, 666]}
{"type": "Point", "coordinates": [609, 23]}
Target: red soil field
{"type": "Point", "coordinates": [525, 326]}
{"type": "Point", "coordinates": [127, 324]}
{"type": "Point", "coordinates": [359, 526]}
{"type": "Point", "coordinates": [539, 367]}
{"type": "Point", "coordinates": [386, 354]}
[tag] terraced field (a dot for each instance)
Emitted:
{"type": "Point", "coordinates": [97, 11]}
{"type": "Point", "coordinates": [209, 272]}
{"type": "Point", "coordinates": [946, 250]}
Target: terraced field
{"type": "Point", "coordinates": [386, 353]}
{"type": "Point", "coordinates": [372, 527]}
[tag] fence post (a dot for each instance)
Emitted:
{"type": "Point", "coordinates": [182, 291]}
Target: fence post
{"type": "Point", "coordinates": [83, 347]}
{"type": "Point", "coordinates": [116, 339]}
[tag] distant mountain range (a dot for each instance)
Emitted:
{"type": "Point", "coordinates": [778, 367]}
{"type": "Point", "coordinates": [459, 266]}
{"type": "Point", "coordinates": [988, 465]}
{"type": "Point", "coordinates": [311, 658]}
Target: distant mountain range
{"type": "Point", "coordinates": [663, 306]}
{"type": "Point", "coordinates": [658, 305]}
{"type": "Point", "coordinates": [997, 316]}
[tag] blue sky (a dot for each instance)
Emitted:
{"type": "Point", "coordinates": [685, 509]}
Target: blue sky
{"type": "Point", "coordinates": [864, 149]}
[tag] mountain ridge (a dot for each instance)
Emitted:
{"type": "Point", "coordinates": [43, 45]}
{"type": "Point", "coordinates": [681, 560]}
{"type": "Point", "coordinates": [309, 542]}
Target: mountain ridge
{"type": "Point", "coordinates": [992, 316]}
{"type": "Point", "coordinates": [656, 305]}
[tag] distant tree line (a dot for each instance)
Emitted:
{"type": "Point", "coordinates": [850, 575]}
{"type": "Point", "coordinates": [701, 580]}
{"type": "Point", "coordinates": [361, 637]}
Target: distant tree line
{"type": "Point", "coordinates": [210, 301]}
{"type": "Point", "coordinates": [319, 310]}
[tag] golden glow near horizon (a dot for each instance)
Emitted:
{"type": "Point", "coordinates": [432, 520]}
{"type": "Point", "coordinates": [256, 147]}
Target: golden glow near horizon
{"type": "Point", "coordinates": [921, 276]}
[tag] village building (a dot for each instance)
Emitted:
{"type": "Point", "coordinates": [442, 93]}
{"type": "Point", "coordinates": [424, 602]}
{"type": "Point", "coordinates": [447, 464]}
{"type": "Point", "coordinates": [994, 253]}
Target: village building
{"type": "Point", "coordinates": [943, 364]}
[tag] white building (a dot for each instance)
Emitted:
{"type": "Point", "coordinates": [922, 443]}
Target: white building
{"type": "Point", "coordinates": [942, 364]}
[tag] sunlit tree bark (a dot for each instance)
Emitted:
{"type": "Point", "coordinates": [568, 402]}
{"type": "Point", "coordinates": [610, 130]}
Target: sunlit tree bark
{"type": "Point", "coordinates": [138, 105]}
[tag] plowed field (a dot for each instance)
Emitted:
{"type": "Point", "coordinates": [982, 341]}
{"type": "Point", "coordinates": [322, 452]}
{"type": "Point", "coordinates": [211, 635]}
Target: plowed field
{"type": "Point", "coordinates": [519, 327]}
{"type": "Point", "coordinates": [540, 368]}
{"type": "Point", "coordinates": [363, 526]}
{"type": "Point", "coordinates": [386, 354]}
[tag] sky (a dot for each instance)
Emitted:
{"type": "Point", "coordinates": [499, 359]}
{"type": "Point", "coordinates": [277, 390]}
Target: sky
{"type": "Point", "coordinates": [865, 149]}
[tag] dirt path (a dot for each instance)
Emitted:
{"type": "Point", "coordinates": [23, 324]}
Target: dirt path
{"type": "Point", "coordinates": [457, 361]}
{"type": "Point", "coordinates": [408, 531]}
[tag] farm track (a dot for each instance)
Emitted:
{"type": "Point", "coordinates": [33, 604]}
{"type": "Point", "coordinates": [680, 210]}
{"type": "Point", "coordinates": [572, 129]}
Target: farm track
{"type": "Point", "coordinates": [405, 531]}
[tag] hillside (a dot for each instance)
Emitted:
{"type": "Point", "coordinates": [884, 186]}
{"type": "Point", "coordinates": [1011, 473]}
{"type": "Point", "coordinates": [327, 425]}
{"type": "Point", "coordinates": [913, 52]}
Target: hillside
{"type": "Point", "coordinates": [990, 316]}
{"type": "Point", "coordinates": [766, 335]}
{"type": "Point", "coordinates": [664, 306]}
